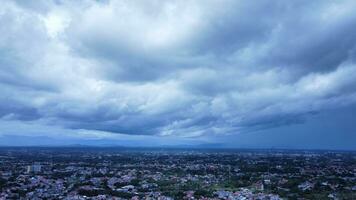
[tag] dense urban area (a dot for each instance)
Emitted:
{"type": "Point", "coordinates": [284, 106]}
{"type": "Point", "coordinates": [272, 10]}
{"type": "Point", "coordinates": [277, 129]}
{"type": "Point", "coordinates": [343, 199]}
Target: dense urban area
{"type": "Point", "coordinates": [165, 174]}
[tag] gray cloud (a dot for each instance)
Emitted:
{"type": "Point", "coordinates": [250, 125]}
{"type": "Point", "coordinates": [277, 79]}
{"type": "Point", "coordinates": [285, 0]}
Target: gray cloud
{"type": "Point", "coordinates": [175, 68]}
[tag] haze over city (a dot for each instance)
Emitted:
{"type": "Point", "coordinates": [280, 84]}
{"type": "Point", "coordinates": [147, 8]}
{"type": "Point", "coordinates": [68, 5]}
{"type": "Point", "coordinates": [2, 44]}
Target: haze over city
{"type": "Point", "coordinates": [218, 74]}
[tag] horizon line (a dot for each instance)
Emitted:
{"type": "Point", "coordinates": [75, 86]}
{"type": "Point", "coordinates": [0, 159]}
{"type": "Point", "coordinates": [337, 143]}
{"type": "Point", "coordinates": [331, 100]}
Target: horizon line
{"type": "Point", "coordinates": [175, 147]}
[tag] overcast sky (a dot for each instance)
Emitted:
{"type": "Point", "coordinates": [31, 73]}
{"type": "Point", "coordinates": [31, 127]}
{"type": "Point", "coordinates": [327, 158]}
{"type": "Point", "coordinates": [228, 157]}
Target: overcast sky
{"type": "Point", "coordinates": [225, 73]}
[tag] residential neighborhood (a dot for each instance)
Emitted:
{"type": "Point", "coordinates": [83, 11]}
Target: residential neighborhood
{"type": "Point", "coordinates": [167, 174]}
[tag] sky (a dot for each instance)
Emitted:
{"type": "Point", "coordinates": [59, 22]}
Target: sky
{"type": "Point", "coordinates": [236, 74]}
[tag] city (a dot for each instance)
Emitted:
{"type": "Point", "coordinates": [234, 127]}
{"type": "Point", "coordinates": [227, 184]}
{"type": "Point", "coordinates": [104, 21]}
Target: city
{"type": "Point", "coordinates": [165, 174]}
{"type": "Point", "coordinates": [177, 100]}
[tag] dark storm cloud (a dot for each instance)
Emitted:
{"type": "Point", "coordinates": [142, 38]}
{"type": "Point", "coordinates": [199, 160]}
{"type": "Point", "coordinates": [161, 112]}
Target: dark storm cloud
{"type": "Point", "coordinates": [321, 46]}
{"type": "Point", "coordinates": [173, 67]}
{"type": "Point", "coordinates": [11, 111]}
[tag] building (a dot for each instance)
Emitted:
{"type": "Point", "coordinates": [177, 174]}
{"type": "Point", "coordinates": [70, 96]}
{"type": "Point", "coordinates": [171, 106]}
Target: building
{"type": "Point", "coordinates": [35, 168]}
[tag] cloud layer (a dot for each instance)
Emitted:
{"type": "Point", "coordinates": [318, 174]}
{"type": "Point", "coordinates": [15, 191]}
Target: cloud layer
{"type": "Point", "coordinates": [175, 68]}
